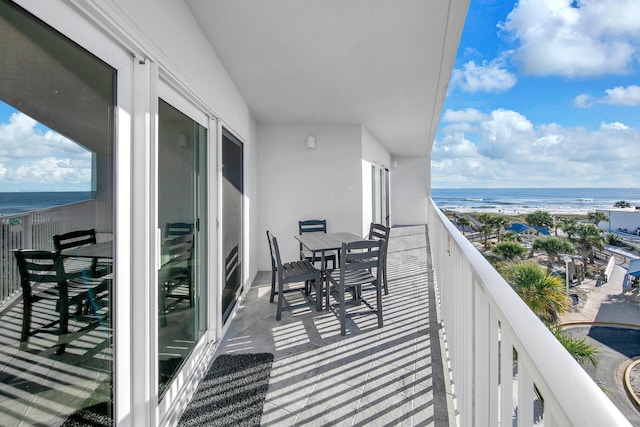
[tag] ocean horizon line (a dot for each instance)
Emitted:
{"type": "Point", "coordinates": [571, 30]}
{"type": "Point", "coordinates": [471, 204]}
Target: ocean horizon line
{"type": "Point", "coordinates": [534, 188]}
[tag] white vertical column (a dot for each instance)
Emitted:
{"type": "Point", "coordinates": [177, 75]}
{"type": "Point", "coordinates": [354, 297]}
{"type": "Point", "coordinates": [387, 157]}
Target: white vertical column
{"type": "Point", "coordinates": [142, 296]}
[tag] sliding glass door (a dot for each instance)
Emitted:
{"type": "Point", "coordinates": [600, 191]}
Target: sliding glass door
{"type": "Point", "coordinates": [57, 102]}
{"type": "Point", "coordinates": [182, 221]}
{"type": "Point", "coordinates": [232, 207]}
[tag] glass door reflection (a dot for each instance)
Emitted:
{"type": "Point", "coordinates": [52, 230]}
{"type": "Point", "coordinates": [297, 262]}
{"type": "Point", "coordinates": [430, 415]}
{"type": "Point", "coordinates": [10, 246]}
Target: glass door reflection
{"type": "Point", "coordinates": [232, 194]}
{"type": "Point", "coordinates": [181, 183]}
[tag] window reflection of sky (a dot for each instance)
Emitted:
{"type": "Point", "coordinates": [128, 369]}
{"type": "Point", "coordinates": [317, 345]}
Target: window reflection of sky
{"type": "Point", "coordinates": [34, 157]}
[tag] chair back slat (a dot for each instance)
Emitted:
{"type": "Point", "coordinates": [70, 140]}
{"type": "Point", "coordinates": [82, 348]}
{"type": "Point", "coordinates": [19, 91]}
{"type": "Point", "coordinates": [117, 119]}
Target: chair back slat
{"type": "Point", "coordinates": [274, 265]}
{"type": "Point", "coordinates": [361, 255]}
{"type": "Point", "coordinates": [276, 252]}
{"type": "Point", "coordinates": [179, 247]}
{"type": "Point", "coordinates": [378, 231]}
{"type": "Point", "coordinates": [74, 239]}
{"type": "Point", "coordinates": [39, 267]}
{"type": "Point", "coordinates": [177, 229]}
{"type": "Point", "coordinates": [312, 226]}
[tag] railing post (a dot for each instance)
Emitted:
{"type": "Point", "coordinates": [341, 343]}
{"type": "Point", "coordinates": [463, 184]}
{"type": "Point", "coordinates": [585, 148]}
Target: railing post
{"type": "Point", "coordinates": [26, 232]}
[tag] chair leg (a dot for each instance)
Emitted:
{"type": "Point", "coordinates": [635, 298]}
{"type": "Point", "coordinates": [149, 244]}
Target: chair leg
{"type": "Point", "coordinates": [64, 319]}
{"type": "Point", "coordinates": [318, 283]}
{"type": "Point", "coordinates": [273, 285]}
{"type": "Point", "coordinates": [384, 276]}
{"type": "Point", "coordinates": [280, 297]}
{"type": "Point", "coordinates": [342, 311]}
{"type": "Point", "coordinates": [162, 304]}
{"type": "Point", "coordinates": [379, 303]}
{"type": "Point", "coordinates": [26, 317]}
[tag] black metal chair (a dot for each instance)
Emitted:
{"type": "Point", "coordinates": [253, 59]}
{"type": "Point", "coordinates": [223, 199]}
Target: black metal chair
{"type": "Point", "coordinates": [381, 232]}
{"type": "Point", "coordinates": [42, 278]}
{"type": "Point", "coordinates": [315, 226]}
{"type": "Point", "coordinates": [175, 275]}
{"type": "Point", "coordinates": [75, 267]}
{"type": "Point", "coordinates": [290, 273]}
{"type": "Point", "coordinates": [357, 261]}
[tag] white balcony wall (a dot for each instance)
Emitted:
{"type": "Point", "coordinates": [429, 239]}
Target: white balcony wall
{"type": "Point", "coordinates": [296, 182]}
{"type": "Point", "coordinates": [484, 322]}
{"type": "Point", "coordinates": [410, 187]}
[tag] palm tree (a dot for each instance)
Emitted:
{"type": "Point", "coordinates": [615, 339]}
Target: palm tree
{"type": "Point", "coordinates": [539, 219]}
{"type": "Point", "coordinates": [543, 293]}
{"type": "Point", "coordinates": [622, 204]}
{"type": "Point", "coordinates": [597, 217]}
{"type": "Point", "coordinates": [463, 222]}
{"type": "Point", "coordinates": [553, 246]}
{"type": "Point", "coordinates": [511, 236]}
{"type": "Point", "coordinates": [587, 238]}
{"type": "Point", "coordinates": [499, 222]}
{"type": "Point", "coordinates": [485, 219]}
{"type": "Point", "coordinates": [578, 347]}
{"type": "Point", "coordinates": [510, 250]}
{"type": "Point", "coordinates": [566, 223]}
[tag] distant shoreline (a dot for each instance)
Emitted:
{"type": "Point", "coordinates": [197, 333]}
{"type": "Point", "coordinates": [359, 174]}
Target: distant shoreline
{"type": "Point", "coordinates": [568, 211]}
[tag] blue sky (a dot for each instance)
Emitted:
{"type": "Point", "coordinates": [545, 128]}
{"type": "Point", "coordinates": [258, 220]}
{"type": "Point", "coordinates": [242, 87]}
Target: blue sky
{"type": "Point", "coordinates": [35, 158]}
{"type": "Point", "coordinates": [544, 93]}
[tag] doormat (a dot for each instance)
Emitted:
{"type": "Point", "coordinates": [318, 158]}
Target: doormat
{"type": "Point", "coordinates": [232, 392]}
{"type": "Point", "coordinates": [97, 415]}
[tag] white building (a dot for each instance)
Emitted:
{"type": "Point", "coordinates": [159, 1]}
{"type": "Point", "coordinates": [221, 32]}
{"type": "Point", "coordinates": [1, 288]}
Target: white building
{"type": "Point", "coordinates": [626, 220]}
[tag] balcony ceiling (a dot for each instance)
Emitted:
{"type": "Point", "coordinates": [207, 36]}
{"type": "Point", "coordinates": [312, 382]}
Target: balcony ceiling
{"type": "Point", "coordinates": [381, 63]}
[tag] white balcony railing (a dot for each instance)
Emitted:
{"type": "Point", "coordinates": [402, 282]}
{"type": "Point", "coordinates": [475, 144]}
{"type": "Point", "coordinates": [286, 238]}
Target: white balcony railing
{"type": "Point", "coordinates": [34, 230]}
{"type": "Point", "coordinates": [486, 324]}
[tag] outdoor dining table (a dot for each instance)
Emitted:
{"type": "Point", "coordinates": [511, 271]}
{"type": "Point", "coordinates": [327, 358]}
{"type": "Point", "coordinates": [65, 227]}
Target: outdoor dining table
{"type": "Point", "coordinates": [96, 250]}
{"type": "Point", "coordinates": [323, 243]}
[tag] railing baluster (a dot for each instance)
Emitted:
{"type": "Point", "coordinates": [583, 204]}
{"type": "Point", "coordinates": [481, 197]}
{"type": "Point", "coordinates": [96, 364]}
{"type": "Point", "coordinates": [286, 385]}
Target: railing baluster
{"type": "Point", "coordinates": [34, 230]}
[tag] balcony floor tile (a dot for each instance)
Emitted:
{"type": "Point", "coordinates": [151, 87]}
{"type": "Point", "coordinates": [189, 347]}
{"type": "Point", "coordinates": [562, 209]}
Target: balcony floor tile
{"type": "Point", "coordinates": [372, 376]}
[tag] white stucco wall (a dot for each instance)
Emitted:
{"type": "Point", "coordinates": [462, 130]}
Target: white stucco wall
{"type": "Point", "coordinates": [188, 55]}
{"type": "Point", "coordinates": [297, 183]}
{"type": "Point", "coordinates": [373, 150]}
{"type": "Point", "coordinates": [409, 190]}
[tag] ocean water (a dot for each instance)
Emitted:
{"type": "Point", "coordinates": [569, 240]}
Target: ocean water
{"type": "Point", "coordinates": [497, 200]}
{"type": "Point", "coordinates": [16, 203]}
{"type": "Point", "coordinates": [524, 200]}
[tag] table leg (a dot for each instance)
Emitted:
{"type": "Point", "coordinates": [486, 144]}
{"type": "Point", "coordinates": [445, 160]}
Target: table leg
{"type": "Point", "coordinates": [323, 266]}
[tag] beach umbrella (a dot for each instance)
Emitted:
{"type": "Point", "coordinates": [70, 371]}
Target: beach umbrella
{"type": "Point", "coordinates": [634, 267]}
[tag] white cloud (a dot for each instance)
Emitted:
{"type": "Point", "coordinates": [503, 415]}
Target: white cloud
{"type": "Point", "coordinates": [625, 96]}
{"type": "Point", "coordinates": [41, 159]}
{"type": "Point", "coordinates": [467, 115]}
{"type": "Point", "coordinates": [507, 150]}
{"type": "Point", "coordinates": [613, 126]}
{"type": "Point", "coordinates": [576, 38]}
{"type": "Point", "coordinates": [486, 77]}
{"type": "Point", "coordinates": [620, 96]}
{"type": "Point", "coordinates": [583, 101]}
